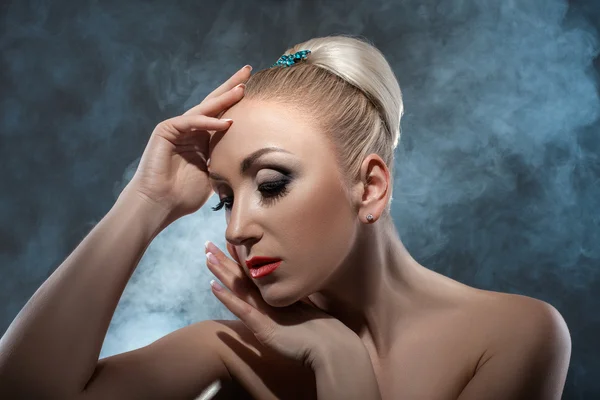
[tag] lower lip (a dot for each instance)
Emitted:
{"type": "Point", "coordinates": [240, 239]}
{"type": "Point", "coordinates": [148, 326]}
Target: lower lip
{"type": "Point", "coordinates": [264, 270]}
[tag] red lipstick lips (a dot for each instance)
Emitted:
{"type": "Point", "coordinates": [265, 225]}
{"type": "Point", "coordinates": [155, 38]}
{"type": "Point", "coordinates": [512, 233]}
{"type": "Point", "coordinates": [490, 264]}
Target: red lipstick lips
{"type": "Point", "coordinates": [261, 266]}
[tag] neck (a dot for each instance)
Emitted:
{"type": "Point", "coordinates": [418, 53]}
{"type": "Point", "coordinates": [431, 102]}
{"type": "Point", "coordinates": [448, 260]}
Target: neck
{"type": "Point", "coordinates": [376, 288]}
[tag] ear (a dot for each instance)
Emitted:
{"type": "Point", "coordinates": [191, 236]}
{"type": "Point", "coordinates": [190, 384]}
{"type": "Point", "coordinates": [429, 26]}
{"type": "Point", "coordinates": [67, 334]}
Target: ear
{"type": "Point", "coordinates": [372, 189]}
{"type": "Point", "coordinates": [233, 253]}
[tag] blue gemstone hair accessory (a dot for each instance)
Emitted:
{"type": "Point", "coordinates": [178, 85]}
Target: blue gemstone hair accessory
{"type": "Point", "coordinates": [287, 60]}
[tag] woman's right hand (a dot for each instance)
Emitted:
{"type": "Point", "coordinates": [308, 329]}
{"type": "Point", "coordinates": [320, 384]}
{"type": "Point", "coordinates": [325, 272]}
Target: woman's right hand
{"type": "Point", "coordinates": [172, 172]}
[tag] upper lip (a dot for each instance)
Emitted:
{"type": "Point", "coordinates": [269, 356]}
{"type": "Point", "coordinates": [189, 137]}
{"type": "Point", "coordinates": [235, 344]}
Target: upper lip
{"type": "Point", "coordinates": [257, 261]}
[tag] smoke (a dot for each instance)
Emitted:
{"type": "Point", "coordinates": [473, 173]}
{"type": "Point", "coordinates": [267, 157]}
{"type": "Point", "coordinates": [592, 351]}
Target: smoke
{"type": "Point", "coordinates": [494, 96]}
{"type": "Point", "coordinates": [170, 288]}
{"type": "Point", "coordinates": [496, 173]}
{"type": "Point", "coordinates": [498, 98]}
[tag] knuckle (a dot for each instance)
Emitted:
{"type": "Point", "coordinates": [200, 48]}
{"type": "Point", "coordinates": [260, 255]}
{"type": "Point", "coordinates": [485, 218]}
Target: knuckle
{"type": "Point", "coordinates": [267, 334]}
{"type": "Point", "coordinates": [166, 124]}
{"type": "Point", "coordinates": [248, 309]}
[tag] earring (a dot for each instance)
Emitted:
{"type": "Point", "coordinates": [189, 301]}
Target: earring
{"type": "Point", "coordinates": [370, 218]}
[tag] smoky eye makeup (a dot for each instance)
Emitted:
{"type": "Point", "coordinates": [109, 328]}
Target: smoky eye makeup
{"type": "Point", "coordinates": [271, 185]}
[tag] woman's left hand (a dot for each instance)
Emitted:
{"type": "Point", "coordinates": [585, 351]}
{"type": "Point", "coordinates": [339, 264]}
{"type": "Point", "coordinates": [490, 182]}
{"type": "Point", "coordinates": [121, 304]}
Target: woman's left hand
{"type": "Point", "coordinates": [300, 331]}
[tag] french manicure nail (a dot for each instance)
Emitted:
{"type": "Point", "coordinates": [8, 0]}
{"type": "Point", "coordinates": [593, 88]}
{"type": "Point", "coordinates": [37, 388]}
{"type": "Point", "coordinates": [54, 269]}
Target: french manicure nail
{"type": "Point", "coordinates": [210, 246]}
{"type": "Point", "coordinates": [248, 67]}
{"type": "Point", "coordinates": [216, 285]}
{"type": "Point", "coordinates": [212, 259]}
{"type": "Point", "coordinates": [241, 85]}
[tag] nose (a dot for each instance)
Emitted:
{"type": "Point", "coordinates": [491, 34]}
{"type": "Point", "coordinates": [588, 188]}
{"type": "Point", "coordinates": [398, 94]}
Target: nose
{"type": "Point", "coordinates": [242, 228]}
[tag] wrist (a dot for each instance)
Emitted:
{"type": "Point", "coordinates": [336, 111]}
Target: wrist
{"type": "Point", "coordinates": [133, 206]}
{"type": "Point", "coordinates": [329, 353]}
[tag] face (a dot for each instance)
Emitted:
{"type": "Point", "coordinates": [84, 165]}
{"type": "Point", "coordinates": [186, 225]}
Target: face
{"type": "Point", "coordinates": [288, 205]}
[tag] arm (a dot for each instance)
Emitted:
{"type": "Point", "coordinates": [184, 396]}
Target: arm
{"type": "Point", "coordinates": [52, 346]}
{"type": "Point", "coordinates": [180, 365]}
{"type": "Point", "coordinates": [345, 373]}
{"type": "Point", "coordinates": [530, 364]}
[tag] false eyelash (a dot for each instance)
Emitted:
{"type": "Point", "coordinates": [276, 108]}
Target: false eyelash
{"type": "Point", "coordinates": [274, 190]}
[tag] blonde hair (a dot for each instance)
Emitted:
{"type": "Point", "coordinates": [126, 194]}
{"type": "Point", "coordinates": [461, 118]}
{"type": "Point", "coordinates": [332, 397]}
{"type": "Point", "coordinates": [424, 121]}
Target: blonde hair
{"type": "Point", "coordinates": [347, 86]}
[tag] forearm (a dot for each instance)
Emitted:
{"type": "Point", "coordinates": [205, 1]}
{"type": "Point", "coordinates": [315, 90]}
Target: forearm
{"type": "Point", "coordinates": [55, 340]}
{"type": "Point", "coordinates": [346, 374]}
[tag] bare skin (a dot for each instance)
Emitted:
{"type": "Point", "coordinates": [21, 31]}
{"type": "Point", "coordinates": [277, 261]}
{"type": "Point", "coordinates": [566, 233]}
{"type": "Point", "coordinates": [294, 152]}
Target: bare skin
{"type": "Point", "coordinates": [435, 358]}
{"type": "Point", "coordinates": [427, 335]}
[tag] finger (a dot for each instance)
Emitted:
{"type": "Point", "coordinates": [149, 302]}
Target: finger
{"type": "Point", "coordinates": [232, 280]}
{"type": "Point", "coordinates": [216, 106]}
{"type": "Point", "coordinates": [256, 321]}
{"type": "Point", "coordinates": [230, 273]}
{"type": "Point", "coordinates": [306, 300]}
{"type": "Point", "coordinates": [189, 123]}
{"type": "Point", "coordinates": [240, 76]}
{"type": "Point", "coordinates": [234, 267]}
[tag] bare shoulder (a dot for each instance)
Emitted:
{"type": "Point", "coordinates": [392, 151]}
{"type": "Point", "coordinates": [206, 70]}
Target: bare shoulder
{"type": "Point", "coordinates": [511, 315]}
{"type": "Point", "coordinates": [523, 347]}
{"type": "Point", "coordinates": [259, 371]}
{"type": "Point", "coordinates": [524, 326]}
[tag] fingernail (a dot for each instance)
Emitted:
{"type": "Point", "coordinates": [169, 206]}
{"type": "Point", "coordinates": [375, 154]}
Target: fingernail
{"type": "Point", "coordinates": [241, 85]}
{"type": "Point", "coordinates": [227, 120]}
{"type": "Point", "coordinates": [212, 259]}
{"type": "Point", "coordinates": [248, 67]}
{"type": "Point", "coordinates": [216, 285]}
{"type": "Point", "coordinates": [210, 246]}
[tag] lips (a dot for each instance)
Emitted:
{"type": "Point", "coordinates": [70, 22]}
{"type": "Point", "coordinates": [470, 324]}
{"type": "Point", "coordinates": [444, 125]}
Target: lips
{"type": "Point", "coordinates": [256, 262]}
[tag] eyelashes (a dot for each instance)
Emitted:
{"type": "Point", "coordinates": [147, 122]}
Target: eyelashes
{"type": "Point", "coordinates": [271, 192]}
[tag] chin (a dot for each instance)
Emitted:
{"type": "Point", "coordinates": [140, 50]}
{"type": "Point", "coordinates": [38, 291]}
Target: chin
{"type": "Point", "coordinates": [274, 300]}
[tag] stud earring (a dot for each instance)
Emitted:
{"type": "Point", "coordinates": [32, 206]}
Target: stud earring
{"type": "Point", "coordinates": [370, 218]}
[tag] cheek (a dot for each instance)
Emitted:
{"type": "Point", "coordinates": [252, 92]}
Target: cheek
{"type": "Point", "coordinates": [321, 224]}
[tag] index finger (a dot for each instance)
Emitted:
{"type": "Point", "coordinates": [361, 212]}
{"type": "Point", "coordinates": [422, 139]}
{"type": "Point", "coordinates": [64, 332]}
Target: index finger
{"type": "Point", "coordinates": [240, 76]}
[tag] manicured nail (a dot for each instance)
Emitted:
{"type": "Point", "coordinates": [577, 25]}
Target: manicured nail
{"type": "Point", "coordinates": [212, 259]}
{"type": "Point", "coordinates": [241, 85]}
{"type": "Point", "coordinates": [210, 246]}
{"type": "Point", "coordinates": [248, 67]}
{"type": "Point", "coordinates": [216, 285]}
{"type": "Point", "coordinates": [226, 119]}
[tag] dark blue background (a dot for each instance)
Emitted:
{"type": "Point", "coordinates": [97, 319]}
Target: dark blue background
{"type": "Point", "coordinates": [497, 181]}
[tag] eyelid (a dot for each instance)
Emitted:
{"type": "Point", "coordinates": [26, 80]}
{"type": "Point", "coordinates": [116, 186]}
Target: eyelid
{"type": "Point", "coordinates": [291, 164]}
{"type": "Point", "coordinates": [276, 168]}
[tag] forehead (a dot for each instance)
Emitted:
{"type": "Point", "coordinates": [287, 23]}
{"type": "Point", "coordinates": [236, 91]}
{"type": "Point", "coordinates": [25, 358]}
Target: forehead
{"type": "Point", "coordinates": [258, 124]}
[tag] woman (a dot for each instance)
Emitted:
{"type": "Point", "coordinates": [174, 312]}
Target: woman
{"type": "Point", "coordinates": [303, 165]}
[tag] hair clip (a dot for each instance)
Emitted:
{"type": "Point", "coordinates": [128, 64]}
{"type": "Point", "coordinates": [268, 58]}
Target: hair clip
{"type": "Point", "coordinates": [287, 60]}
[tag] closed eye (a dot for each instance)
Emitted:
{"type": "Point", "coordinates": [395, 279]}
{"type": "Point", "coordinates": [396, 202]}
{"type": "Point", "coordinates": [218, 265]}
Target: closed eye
{"type": "Point", "coordinates": [270, 192]}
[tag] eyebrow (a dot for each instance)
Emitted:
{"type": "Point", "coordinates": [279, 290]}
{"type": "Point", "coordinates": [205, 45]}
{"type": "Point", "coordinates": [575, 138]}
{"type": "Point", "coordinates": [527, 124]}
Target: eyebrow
{"type": "Point", "coordinates": [247, 163]}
